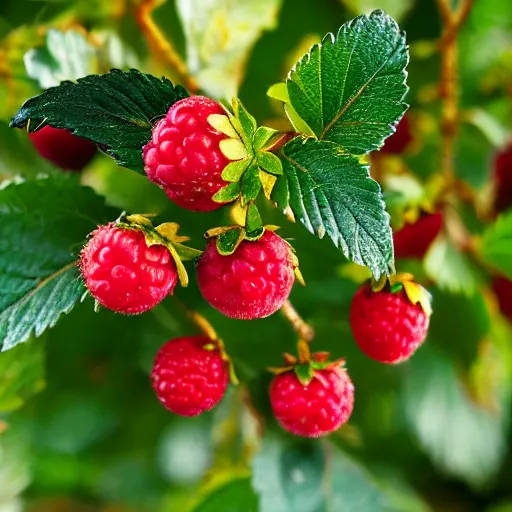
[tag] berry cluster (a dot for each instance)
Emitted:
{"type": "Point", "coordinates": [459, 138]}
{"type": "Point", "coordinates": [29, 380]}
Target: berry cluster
{"type": "Point", "coordinates": [245, 272]}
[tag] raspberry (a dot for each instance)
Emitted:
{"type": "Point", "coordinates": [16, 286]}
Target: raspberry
{"type": "Point", "coordinates": [183, 156]}
{"type": "Point", "coordinates": [187, 378]}
{"type": "Point", "coordinates": [62, 148]}
{"type": "Point", "coordinates": [503, 179]}
{"type": "Point", "coordinates": [502, 287]}
{"type": "Point", "coordinates": [413, 240]}
{"type": "Point", "coordinates": [316, 409]}
{"type": "Point", "coordinates": [387, 326]}
{"type": "Point", "coordinates": [398, 141]}
{"type": "Point", "coordinates": [253, 282]}
{"type": "Point", "coordinates": [123, 274]}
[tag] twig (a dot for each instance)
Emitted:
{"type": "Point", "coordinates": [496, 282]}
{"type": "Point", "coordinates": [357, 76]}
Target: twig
{"type": "Point", "coordinates": [161, 45]}
{"type": "Point", "coordinates": [303, 329]}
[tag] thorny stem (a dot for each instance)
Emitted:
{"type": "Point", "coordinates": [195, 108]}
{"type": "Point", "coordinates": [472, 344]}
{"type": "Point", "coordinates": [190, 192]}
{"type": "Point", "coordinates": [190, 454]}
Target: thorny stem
{"type": "Point", "coordinates": [161, 45]}
{"type": "Point", "coordinates": [303, 329]}
{"type": "Point", "coordinates": [449, 90]}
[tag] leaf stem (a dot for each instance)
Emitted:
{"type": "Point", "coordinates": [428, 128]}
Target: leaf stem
{"type": "Point", "coordinates": [301, 327]}
{"type": "Point", "coordinates": [449, 87]}
{"type": "Point", "coordinates": [161, 45]}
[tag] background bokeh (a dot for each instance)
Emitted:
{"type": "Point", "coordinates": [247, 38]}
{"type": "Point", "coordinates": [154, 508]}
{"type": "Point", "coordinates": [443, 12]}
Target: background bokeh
{"type": "Point", "coordinates": [80, 428]}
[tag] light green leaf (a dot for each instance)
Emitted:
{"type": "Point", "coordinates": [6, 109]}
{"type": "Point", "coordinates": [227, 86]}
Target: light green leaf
{"type": "Point", "coordinates": [220, 35]}
{"type": "Point", "coordinates": [253, 221]}
{"type": "Point", "coordinates": [270, 163]}
{"type": "Point", "coordinates": [332, 193]}
{"type": "Point", "coordinates": [251, 185]}
{"type": "Point", "coordinates": [66, 56]}
{"type": "Point", "coordinates": [496, 246]}
{"type": "Point", "coordinates": [350, 88]}
{"type": "Point", "coordinates": [43, 224]}
{"type": "Point", "coordinates": [234, 496]}
{"type": "Point", "coordinates": [234, 170]}
{"type": "Point", "coordinates": [227, 194]}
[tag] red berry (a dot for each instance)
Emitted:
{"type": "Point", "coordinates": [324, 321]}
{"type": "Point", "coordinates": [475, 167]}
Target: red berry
{"type": "Point", "coordinates": [123, 274]}
{"type": "Point", "coordinates": [187, 378]}
{"type": "Point", "coordinates": [253, 282]}
{"type": "Point", "coordinates": [502, 287]}
{"type": "Point", "coordinates": [398, 141]}
{"type": "Point", "coordinates": [413, 240]}
{"type": "Point", "coordinates": [503, 179]}
{"type": "Point", "coordinates": [387, 326]}
{"type": "Point", "coordinates": [183, 156]}
{"type": "Point", "coordinates": [314, 410]}
{"type": "Point", "coordinates": [62, 148]}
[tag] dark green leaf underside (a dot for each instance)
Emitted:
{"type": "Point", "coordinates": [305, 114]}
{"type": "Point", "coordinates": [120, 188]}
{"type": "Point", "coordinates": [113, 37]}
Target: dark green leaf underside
{"type": "Point", "coordinates": [117, 111]}
{"type": "Point", "coordinates": [350, 88]}
{"type": "Point", "coordinates": [332, 193]}
{"type": "Point", "coordinates": [43, 224]}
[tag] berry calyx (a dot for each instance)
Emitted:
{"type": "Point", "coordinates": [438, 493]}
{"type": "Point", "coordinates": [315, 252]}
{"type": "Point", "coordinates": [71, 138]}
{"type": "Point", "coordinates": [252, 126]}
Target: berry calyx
{"type": "Point", "coordinates": [315, 406]}
{"type": "Point", "coordinates": [190, 375]}
{"type": "Point", "coordinates": [397, 142]}
{"type": "Point", "coordinates": [184, 157]}
{"type": "Point", "coordinates": [413, 240]}
{"type": "Point", "coordinates": [503, 179]}
{"type": "Point", "coordinates": [62, 148]}
{"type": "Point", "coordinates": [389, 325]}
{"type": "Point", "coordinates": [123, 272]}
{"type": "Point", "coordinates": [253, 282]}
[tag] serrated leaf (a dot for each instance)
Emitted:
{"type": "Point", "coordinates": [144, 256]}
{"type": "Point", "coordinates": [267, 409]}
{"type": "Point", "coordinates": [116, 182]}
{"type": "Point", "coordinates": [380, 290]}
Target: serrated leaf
{"type": "Point", "coordinates": [66, 56]}
{"type": "Point", "coordinates": [332, 193]}
{"type": "Point", "coordinates": [43, 224]}
{"type": "Point", "coordinates": [251, 185]}
{"type": "Point", "coordinates": [496, 246]}
{"type": "Point", "coordinates": [227, 194]}
{"type": "Point", "coordinates": [350, 88]}
{"type": "Point", "coordinates": [92, 108]}
{"type": "Point", "coordinates": [270, 163]}
{"type": "Point", "coordinates": [219, 36]}
{"type": "Point", "coordinates": [228, 241]}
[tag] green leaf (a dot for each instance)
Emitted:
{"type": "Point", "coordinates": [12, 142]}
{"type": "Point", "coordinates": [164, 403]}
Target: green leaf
{"type": "Point", "coordinates": [332, 193]}
{"type": "Point", "coordinates": [234, 496]}
{"type": "Point", "coordinates": [253, 220]}
{"type": "Point", "coordinates": [234, 170]}
{"type": "Point", "coordinates": [496, 244]}
{"type": "Point", "coordinates": [350, 88]}
{"type": "Point", "coordinates": [462, 438]}
{"type": "Point", "coordinates": [251, 184]}
{"type": "Point", "coordinates": [117, 111]}
{"type": "Point", "coordinates": [270, 163]}
{"type": "Point", "coordinates": [43, 224]}
{"type": "Point", "coordinates": [295, 476]}
{"type": "Point", "coordinates": [219, 36]}
{"type": "Point", "coordinates": [262, 135]}
{"type": "Point", "coordinates": [246, 120]}
{"type": "Point", "coordinates": [227, 194]}
{"type": "Point", "coordinates": [228, 241]}
{"type": "Point", "coordinates": [66, 56]}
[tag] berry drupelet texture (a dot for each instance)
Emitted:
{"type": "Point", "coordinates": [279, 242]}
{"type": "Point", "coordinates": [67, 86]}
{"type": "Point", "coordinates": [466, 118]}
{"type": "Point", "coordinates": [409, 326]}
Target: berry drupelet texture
{"type": "Point", "coordinates": [183, 156]}
{"type": "Point", "coordinates": [188, 378]}
{"type": "Point", "coordinates": [62, 148]}
{"type": "Point", "coordinates": [386, 326]}
{"type": "Point", "coordinates": [253, 282]}
{"type": "Point", "coordinates": [125, 275]}
{"type": "Point", "coordinates": [316, 409]}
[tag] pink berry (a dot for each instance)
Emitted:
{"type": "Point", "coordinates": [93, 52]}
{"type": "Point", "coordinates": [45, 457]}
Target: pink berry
{"type": "Point", "coordinates": [399, 141]}
{"type": "Point", "coordinates": [62, 148]}
{"type": "Point", "coordinates": [387, 326]}
{"type": "Point", "coordinates": [413, 240]}
{"type": "Point", "coordinates": [188, 378]}
{"type": "Point", "coordinates": [183, 156]}
{"type": "Point", "coordinates": [502, 287]}
{"type": "Point", "coordinates": [123, 273]}
{"type": "Point", "coordinates": [316, 409]}
{"type": "Point", "coordinates": [253, 282]}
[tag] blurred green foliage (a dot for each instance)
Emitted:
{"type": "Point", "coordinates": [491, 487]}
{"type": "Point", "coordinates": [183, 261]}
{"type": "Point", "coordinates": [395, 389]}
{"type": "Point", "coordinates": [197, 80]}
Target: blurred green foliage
{"type": "Point", "coordinates": [80, 428]}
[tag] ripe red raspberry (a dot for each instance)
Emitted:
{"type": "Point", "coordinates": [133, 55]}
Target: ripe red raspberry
{"type": "Point", "coordinates": [316, 409]}
{"type": "Point", "coordinates": [502, 287]}
{"type": "Point", "coordinates": [123, 274]}
{"type": "Point", "coordinates": [503, 179]}
{"type": "Point", "coordinates": [387, 326]}
{"type": "Point", "coordinates": [62, 148]}
{"type": "Point", "coordinates": [253, 282]}
{"type": "Point", "coordinates": [187, 378]}
{"type": "Point", "coordinates": [413, 240]}
{"type": "Point", "coordinates": [183, 156]}
{"type": "Point", "coordinates": [398, 141]}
